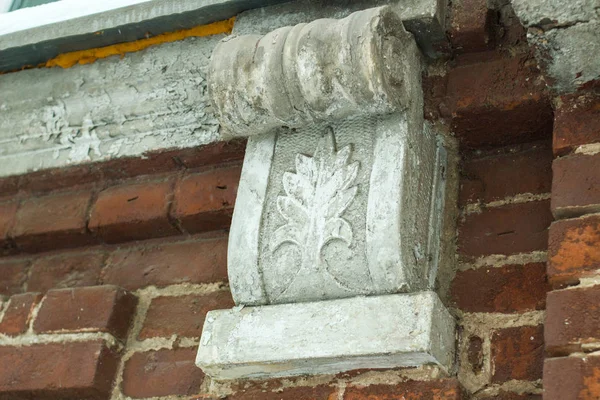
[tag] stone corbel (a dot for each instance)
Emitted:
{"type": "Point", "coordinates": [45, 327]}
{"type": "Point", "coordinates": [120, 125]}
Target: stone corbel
{"type": "Point", "coordinates": [334, 244]}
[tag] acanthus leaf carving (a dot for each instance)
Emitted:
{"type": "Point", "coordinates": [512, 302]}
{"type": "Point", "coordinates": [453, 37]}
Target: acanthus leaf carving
{"type": "Point", "coordinates": [316, 196]}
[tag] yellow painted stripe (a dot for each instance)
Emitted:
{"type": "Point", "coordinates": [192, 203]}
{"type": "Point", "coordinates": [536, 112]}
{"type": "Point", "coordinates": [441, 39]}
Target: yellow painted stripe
{"type": "Point", "coordinates": [88, 56]}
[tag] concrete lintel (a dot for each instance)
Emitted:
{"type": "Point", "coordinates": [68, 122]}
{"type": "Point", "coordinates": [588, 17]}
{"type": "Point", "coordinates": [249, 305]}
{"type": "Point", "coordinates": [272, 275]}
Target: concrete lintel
{"type": "Point", "coordinates": [327, 337]}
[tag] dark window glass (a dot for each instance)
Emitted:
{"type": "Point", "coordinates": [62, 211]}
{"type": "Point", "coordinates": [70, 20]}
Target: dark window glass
{"type": "Point", "coordinates": [18, 4]}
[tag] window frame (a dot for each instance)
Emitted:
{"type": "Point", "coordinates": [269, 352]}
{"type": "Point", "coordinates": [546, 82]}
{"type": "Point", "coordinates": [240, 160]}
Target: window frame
{"type": "Point", "coordinates": [33, 35]}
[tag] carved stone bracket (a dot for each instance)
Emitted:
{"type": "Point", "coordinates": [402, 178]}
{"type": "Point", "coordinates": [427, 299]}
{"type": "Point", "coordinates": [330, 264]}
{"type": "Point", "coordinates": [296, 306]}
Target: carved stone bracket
{"type": "Point", "coordinates": [341, 196]}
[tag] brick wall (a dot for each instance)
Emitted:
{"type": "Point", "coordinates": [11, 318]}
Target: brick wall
{"type": "Point", "coordinates": [107, 271]}
{"type": "Point", "coordinates": [572, 334]}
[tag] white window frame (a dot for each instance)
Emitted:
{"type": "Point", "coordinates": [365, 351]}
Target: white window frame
{"type": "Point", "coordinates": [81, 24]}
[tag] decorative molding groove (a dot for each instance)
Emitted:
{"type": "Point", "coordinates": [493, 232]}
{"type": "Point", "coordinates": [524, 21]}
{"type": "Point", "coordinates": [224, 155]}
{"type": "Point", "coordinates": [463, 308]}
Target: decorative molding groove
{"type": "Point", "coordinates": [285, 78]}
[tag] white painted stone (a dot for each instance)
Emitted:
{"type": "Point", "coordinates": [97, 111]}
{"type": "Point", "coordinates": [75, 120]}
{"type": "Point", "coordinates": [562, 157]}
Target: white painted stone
{"type": "Point", "coordinates": [285, 78]}
{"type": "Point", "coordinates": [347, 206]}
{"type": "Point", "coordinates": [425, 19]}
{"type": "Point", "coordinates": [336, 210]}
{"type": "Point", "coordinates": [327, 337]}
{"type": "Point", "coordinates": [341, 196]}
{"type": "Point", "coordinates": [151, 100]}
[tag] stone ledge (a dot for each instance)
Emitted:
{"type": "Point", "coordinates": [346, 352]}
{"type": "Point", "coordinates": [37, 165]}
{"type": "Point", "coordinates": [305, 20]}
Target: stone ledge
{"type": "Point", "coordinates": [324, 337]}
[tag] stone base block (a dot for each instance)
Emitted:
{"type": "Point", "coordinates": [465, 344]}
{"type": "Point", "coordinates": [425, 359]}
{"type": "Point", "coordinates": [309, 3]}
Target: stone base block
{"type": "Point", "coordinates": [326, 337]}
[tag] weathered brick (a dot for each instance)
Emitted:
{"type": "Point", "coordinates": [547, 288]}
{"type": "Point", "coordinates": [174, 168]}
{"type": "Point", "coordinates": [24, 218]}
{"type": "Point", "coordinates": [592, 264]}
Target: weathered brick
{"type": "Point", "coordinates": [8, 211]}
{"type": "Point", "coordinates": [507, 289]}
{"type": "Point", "coordinates": [66, 371]}
{"type": "Point", "coordinates": [213, 153]}
{"type": "Point", "coordinates": [133, 212]}
{"type": "Point", "coordinates": [13, 274]}
{"type": "Point", "coordinates": [576, 185]}
{"type": "Point", "coordinates": [475, 354]}
{"type": "Point", "coordinates": [96, 308]}
{"type": "Point", "coordinates": [470, 26]}
{"type": "Point", "coordinates": [447, 389]}
{"type": "Point", "coordinates": [510, 229]}
{"type": "Point", "coordinates": [573, 249]}
{"type": "Point", "coordinates": [163, 264]}
{"type": "Point", "coordinates": [52, 222]}
{"type": "Point", "coordinates": [572, 320]}
{"type": "Point", "coordinates": [162, 373]}
{"type": "Point", "coordinates": [503, 395]}
{"type": "Point", "coordinates": [576, 122]}
{"type": "Point", "coordinates": [204, 201]}
{"type": "Point", "coordinates": [496, 100]}
{"type": "Point", "coordinates": [517, 353]}
{"type": "Point", "coordinates": [572, 378]}
{"type": "Point", "coordinates": [506, 172]}
{"type": "Point", "coordinates": [50, 179]}
{"type": "Point", "coordinates": [65, 271]}
{"type": "Point", "coordinates": [182, 315]}
{"type": "Point", "coordinates": [18, 313]}
{"type": "Point", "coordinates": [319, 392]}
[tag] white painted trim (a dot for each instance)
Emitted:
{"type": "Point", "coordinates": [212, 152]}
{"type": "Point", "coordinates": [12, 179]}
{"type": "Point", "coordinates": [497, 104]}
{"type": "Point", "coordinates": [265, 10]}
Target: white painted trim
{"type": "Point", "coordinates": [75, 17]}
{"type": "Point", "coordinates": [4, 7]}
{"type": "Point", "coordinates": [244, 239]}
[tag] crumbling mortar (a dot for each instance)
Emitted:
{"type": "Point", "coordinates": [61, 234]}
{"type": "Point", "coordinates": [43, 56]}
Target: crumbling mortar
{"type": "Point", "coordinates": [478, 208]}
{"type": "Point", "coordinates": [513, 386]}
{"type": "Point", "coordinates": [145, 297]}
{"type": "Point", "coordinates": [588, 149]}
{"type": "Point", "coordinates": [483, 325]}
{"type": "Point", "coordinates": [501, 260]}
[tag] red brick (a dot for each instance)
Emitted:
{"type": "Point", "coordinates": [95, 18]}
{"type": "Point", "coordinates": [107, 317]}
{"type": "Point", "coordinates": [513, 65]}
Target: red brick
{"type": "Point", "coordinates": [66, 371]}
{"type": "Point", "coordinates": [470, 26]}
{"type": "Point", "coordinates": [495, 100]}
{"type": "Point", "coordinates": [576, 185]}
{"type": "Point", "coordinates": [572, 320]}
{"type": "Point", "coordinates": [163, 264]}
{"type": "Point", "coordinates": [576, 122]}
{"type": "Point", "coordinates": [65, 271]}
{"type": "Point", "coordinates": [510, 229]}
{"type": "Point", "coordinates": [507, 289]}
{"type": "Point", "coordinates": [8, 211]}
{"type": "Point", "coordinates": [517, 353]}
{"type": "Point", "coordinates": [573, 249]}
{"type": "Point", "coordinates": [13, 275]}
{"type": "Point", "coordinates": [204, 202]}
{"type": "Point", "coordinates": [162, 373]}
{"type": "Point", "coordinates": [572, 378]}
{"type": "Point", "coordinates": [52, 222]}
{"type": "Point", "coordinates": [66, 177]}
{"type": "Point", "coordinates": [96, 308]}
{"type": "Point", "coordinates": [503, 395]}
{"type": "Point", "coordinates": [182, 315]}
{"type": "Point", "coordinates": [447, 389]}
{"type": "Point", "coordinates": [213, 153]}
{"type": "Point", "coordinates": [320, 392]}
{"type": "Point", "coordinates": [18, 313]}
{"type": "Point", "coordinates": [507, 172]}
{"type": "Point", "coordinates": [133, 212]}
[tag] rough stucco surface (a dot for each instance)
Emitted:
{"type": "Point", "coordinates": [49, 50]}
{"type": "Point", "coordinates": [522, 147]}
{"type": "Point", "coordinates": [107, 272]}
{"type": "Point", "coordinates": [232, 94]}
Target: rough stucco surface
{"type": "Point", "coordinates": [150, 100]}
{"type": "Point", "coordinates": [566, 36]}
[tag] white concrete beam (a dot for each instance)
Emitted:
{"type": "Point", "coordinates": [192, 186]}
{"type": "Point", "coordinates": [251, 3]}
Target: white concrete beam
{"type": "Point", "coordinates": [327, 337]}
